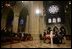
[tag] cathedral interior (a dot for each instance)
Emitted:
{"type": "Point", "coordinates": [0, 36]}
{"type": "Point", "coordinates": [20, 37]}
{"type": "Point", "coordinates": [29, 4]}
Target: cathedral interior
{"type": "Point", "coordinates": [35, 24]}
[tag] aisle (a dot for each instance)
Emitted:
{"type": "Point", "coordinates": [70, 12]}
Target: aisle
{"type": "Point", "coordinates": [37, 44]}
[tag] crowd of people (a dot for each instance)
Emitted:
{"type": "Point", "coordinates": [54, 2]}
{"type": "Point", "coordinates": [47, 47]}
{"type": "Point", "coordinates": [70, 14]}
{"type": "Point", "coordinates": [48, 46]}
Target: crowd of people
{"type": "Point", "coordinates": [7, 36]}
{"type": "Point", "coordinates": [59, 34]}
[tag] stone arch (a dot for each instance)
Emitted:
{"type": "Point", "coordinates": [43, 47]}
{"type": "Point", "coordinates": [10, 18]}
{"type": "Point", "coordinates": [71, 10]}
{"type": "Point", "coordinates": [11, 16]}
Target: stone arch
{"type": "Point", "coordinates": [9, 21]}
{"type": "Point", "coordinates": [7, 17]}
{"type": "Point", "coordinates": [22, 19]}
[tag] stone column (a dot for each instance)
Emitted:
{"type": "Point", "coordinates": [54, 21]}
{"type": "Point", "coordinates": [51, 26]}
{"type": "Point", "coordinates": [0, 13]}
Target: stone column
{"type": "Point", "coordinates": [15, 24]}
{"type": "Point", "coordinates": [16, 10]}
{"type": "Point", "coordinates": [34, 23]}
{"type": "Point", "coordinates": [27, 25]}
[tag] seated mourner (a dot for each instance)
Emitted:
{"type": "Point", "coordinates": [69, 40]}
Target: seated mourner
{"type": "Point", "coordinates": [62, 33]}
{"type": "Point", "coordinates": [47, 35]}
{"type": "Point", "coordinates": [44, 35]}
{"type": "Point", "coordinates": [56, 38]}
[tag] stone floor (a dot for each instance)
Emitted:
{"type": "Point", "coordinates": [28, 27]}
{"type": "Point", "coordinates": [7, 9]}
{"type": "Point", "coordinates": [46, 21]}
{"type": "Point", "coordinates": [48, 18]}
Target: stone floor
{"type": "Point", "coordinates": [37, 44]}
